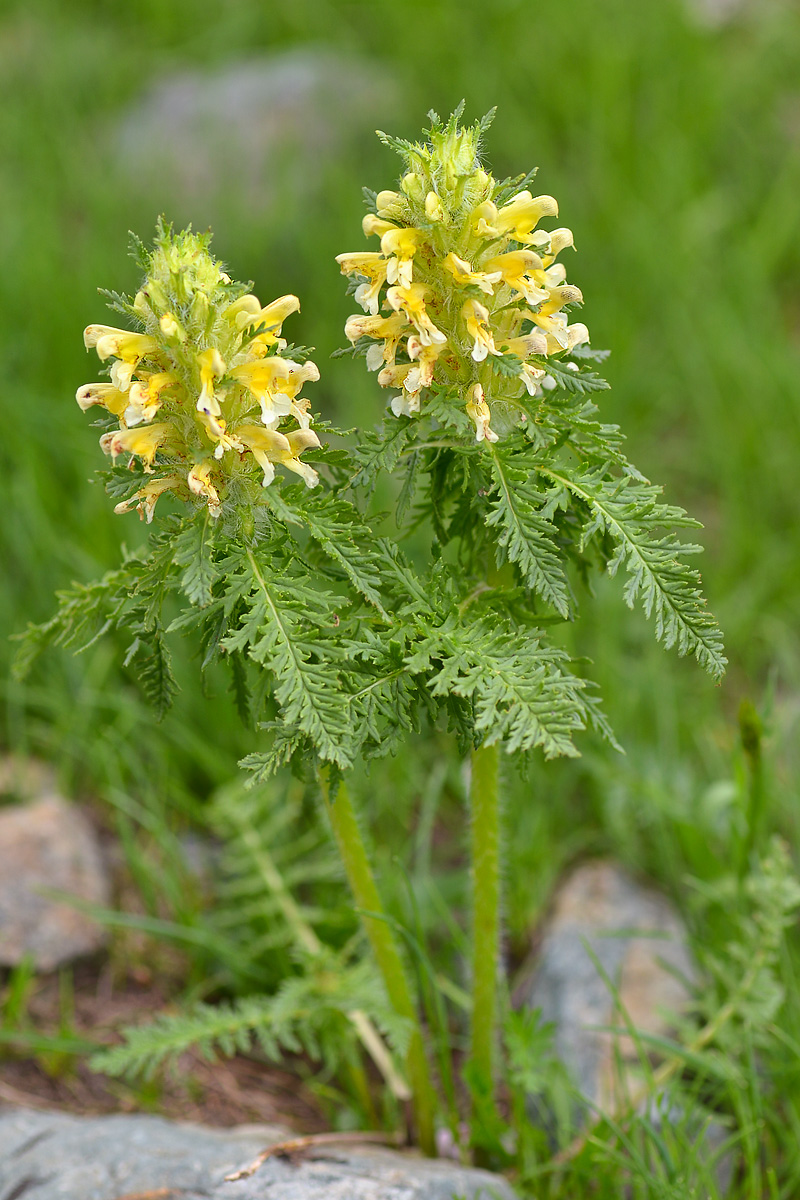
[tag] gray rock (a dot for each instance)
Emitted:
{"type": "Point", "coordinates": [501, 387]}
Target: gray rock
{"type": "Point", "coordinates": [245, 136]}
{"type": "Point", "coordinates": [606, 928]}
{"type": "Point", "coordinates": [25, 778]}
{"type": "Point", "coordinates": [637, 939]}
{"type": "Point", "coordinates": [51, 1156]}
{"type": "Point", "coordinates": [48, 844]}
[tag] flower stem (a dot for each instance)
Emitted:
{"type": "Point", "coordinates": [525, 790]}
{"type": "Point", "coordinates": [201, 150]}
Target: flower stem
{"type": "Point", "coordinates": [384, 946]}
{"type": "Point", "coordinates": [485, 833]}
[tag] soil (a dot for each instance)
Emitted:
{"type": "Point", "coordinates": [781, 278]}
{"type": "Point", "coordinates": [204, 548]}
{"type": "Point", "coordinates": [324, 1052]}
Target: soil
{"type": "Point", "coordinates": [227, 1092]}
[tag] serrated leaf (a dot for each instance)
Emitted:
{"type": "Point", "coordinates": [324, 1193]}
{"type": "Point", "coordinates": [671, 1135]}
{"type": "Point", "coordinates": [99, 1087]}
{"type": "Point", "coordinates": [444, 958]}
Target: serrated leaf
{"type": "Point", "coordinates": [630, 511]}
{"type": "Point", "coordinates": [523, 534]}
{"type": "Point", "coordinates": [192, 549]}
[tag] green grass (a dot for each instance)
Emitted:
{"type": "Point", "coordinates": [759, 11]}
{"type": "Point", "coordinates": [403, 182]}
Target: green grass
{"type": "Point", "coordinates": [674, 153]}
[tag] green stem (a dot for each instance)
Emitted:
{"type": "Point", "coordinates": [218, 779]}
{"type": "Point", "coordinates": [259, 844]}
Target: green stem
{"type": "Point", "coordinates": [384, 946]}
{"type": "Point", "coordinates": [485, 832]}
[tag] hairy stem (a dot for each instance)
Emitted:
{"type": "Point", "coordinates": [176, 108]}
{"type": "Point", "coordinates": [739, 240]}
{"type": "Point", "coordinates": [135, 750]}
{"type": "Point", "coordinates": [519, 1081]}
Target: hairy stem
{"type": "Point", "coordinates": [384, 946]}
{"type": "Point", "coordinates": [485, 833]}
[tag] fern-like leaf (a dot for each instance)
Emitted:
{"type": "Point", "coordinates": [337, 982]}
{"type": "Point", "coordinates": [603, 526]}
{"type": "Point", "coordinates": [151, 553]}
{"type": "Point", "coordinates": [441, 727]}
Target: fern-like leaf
{"type": "Point", "coordinates": [283, 627]}
{"type": "Point", "coordinates": [522, 690]}
{"type": "Point", "coordinates": [524, 535]}
{"type": "Point", "coordinates": [630, 511]}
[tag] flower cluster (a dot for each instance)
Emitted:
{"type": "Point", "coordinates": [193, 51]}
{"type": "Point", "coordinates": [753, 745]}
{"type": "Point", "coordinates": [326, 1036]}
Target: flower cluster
{"type": "Point", "coordinates": [200, 391]}
{"type": "Point", "coordinates": [469, 280]}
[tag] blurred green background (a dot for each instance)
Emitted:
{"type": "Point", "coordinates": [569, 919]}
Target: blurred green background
{"type": "Point", "coordinates": [670, 133]}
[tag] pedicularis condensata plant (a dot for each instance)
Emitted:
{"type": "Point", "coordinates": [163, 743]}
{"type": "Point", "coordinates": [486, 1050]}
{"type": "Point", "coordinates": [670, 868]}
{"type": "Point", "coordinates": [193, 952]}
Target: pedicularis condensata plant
{"type": "Point", "coordinates": [337, 644]}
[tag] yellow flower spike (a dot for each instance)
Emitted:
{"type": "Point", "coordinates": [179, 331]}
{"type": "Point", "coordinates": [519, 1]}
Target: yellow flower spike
{"type": "Point", "coordinates": [212, 367]}
{"type": "Point", "coordinates": [143, 441]}
{"type": "Point", "coordinates": [411, 301]}
{"type": "Point", "coordinates": [433, 207]}
{"type": "Point", "coordinates": [399, 246]}
{"type": "Point", "coordinates": [463, 274]}
{"type": "Point", "coordinates": [514, 268]}
{"type": "Point", "coordinates": [476, 318]}
{"type": "Point", "coordinates": [119, 343]}
{"type": "Point", "coordinates": [376, 226]}
{"type": "Point", "coordinates": [467, 272]}
{"type": "Point", "coordinates": [105, 394]}
{"type": "Point", "coordinates": [523, 213]}
{"type": "Point", "coordinates": [478, 411]}
{"type": "Point", "coordinates": [199, 481]}
{"type": "Point", "coordinates": [145, 499]}
{"type": "Point", "coordinates": [171, 389]}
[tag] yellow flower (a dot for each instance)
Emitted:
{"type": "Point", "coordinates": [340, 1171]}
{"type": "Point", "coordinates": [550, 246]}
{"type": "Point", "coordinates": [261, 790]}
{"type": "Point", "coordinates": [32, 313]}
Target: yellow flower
{"type": "Point", "coordinates": [476, 317]}
{"type": "Point", "coordinates": [522, 214]}
{"type": "Point", "coordinates": [386, 201]}
{"type": "Point", "coordinates": [272, 318]}
{"type": "Point", "coordinates": [482, 221]}
{"type": "Point", "coordinates": [145, 499]}
{"type": "Point", "coordinates": [121, 343]}
{"type": "Point", "coordinates": [212, 367]}
{"type": "Point", "coordinates": [550, 318]}
{"type": "Point", "coordinates": [389, 330]}
{"type": "Point", "coordinates": [372, 266]}
{"type": "Point", "coordinates": [478, 411]}
{"type": "Point", "coordinates": [104, 394]}
{"type": "Point", "coordinates": [171, 328]}
{"type": "Point", "coordinates": [559, 240]}
{"type": "Point", "coordinates": [463, 274]}
{"type": "Point", "coordinates": [375, 226]}
{"type": "Point", "coordinates": [144, 397]}
{"type": "Point", "coordinates": [411, 301]}
{"type": "Point", "coordinates": [199, 481]}
{"type": "Point", "coordinates": [399, 246]}
{"type": "Point", "coordinates": [143, 441]}
{"type": "Point", "coordinates": [425, 356]}
{"type": "Point", "coordinates": [268, 447]}
{"type": "Point", "coordinates": [434, 208]}
{"type": "Point", "coordinates": [275, 382]}
{"type": "Point", "coordinates": [514, 269]}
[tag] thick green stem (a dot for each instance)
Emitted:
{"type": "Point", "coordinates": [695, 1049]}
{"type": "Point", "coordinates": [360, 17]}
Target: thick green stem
{"type": "Point", "coordinates": [485, 833]}
{"type": "Point", "coordinates": [384, 946]}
